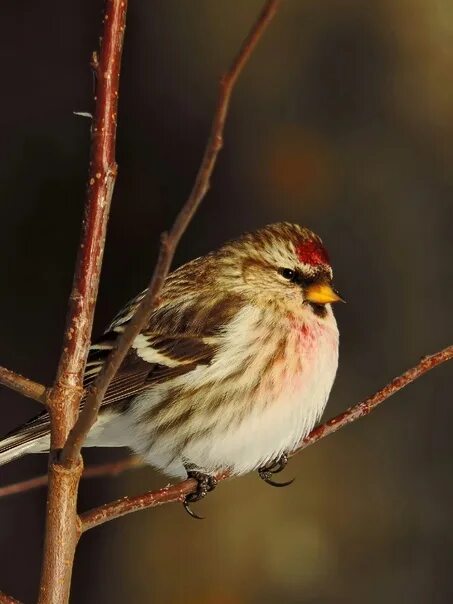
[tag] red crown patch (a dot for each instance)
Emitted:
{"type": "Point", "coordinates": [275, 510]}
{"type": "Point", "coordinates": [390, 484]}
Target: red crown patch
{"type": "Point", "coordinates": [312, 252]}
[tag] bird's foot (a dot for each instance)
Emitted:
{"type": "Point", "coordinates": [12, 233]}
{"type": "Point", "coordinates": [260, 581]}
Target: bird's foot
{"type": "Point", "coordinates": [274, 467]}
{"type": "Point", "coordinates": [205, 484]}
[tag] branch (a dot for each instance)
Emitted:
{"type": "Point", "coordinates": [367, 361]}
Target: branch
{"type": "Point", "coordinates": [62, 527]}
{"type": "Point", "coordinates": [95, 471]}
{"type": "Point", "coordinates": [170, 241]}
{"type": "Point", "coordinates": [177, 492]}
{"type": "Point", "coordinates": [23, 385]}
{"type": "Point", "coordinates": [101, 180]}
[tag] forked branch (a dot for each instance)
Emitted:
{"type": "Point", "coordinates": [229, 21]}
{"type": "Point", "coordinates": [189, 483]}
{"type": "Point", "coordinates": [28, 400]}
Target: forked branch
{"type": "Point", "coordinates": [62, 528]}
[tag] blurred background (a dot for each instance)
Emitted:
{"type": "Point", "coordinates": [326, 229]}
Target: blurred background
{"type": "Point", "coordinates": [342, 121]}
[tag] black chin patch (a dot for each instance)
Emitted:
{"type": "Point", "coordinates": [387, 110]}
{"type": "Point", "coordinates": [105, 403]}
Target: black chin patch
{"type": "Point", "coordinates": [320, 310]}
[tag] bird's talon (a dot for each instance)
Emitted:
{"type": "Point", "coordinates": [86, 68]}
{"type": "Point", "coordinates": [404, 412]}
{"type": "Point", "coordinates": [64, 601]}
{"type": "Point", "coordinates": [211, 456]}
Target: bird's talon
{"type": "Point", "coordinates": [205, 484]}
{"type": "Point", "coordinates": [264, 474]}
{"type": "Point", "coordinates": [274, 467]}
{"type": "Point", "coordinates": [272, 483]}
{"type": "Point", "coordinates": [189, 510]}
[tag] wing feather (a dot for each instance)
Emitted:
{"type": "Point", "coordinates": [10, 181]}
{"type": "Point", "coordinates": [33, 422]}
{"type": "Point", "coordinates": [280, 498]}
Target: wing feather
{"type": "Point", "coordinates": [180, 336]}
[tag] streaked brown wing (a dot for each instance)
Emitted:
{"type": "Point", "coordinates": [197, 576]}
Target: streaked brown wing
{"type": "Point", "coordinates": [135, 375]}
{"type": "Point", "coordinates": [179, 337]}
{"type": "Point", "coordinates": [151, 358]}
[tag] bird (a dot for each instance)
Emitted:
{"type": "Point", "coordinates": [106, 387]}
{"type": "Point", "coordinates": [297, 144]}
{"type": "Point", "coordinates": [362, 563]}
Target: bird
{"type": "Point", "coordinates": [232, 370]}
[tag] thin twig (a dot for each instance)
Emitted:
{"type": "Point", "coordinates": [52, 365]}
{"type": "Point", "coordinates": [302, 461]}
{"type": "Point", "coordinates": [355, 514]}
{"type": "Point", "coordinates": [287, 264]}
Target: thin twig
{"type": "Point", "coordinates": [94, 471]}
{"type": "Point", "coordinates": [62, 526]}
{"type": "Point", "coordinates": [170, 241]}
{"type": "Point", "coordinates": [23, 385]}
{"type": "Point", "coordinates": [177, 492]}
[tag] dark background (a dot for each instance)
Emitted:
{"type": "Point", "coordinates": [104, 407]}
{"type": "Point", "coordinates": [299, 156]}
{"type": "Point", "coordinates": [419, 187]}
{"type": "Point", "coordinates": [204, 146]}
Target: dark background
{"type": "Point", "coordinates": [343, 121]}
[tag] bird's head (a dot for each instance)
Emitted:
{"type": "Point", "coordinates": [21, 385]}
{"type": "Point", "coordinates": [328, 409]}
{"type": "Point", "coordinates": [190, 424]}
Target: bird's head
{"type": "Point", "coordinates": [284, 264]}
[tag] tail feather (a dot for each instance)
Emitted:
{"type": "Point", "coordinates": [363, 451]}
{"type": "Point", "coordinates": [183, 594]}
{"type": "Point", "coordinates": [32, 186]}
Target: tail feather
{"type": "Point", "coordinates": [32, 437]}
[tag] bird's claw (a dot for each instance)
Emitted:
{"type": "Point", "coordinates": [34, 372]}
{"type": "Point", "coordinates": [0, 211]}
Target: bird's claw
{"type": "Point", "coordinates": [205, 484]}
{"type": "Point", "coordinates": [274, 467]}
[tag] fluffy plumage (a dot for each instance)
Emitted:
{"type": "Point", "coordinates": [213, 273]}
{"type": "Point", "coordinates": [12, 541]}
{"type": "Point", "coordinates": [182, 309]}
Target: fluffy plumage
{"type": "Point", "coordinates": [234, 367]}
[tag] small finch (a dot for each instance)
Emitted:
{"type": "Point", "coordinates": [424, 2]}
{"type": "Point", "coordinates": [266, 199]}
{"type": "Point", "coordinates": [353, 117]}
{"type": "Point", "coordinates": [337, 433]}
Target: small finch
{"type": "Point", "coordinates": [233, 369]}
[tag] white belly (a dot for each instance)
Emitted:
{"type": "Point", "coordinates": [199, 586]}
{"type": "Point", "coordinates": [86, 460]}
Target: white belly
{"type": "Point", "coordinates": [286, 405]}
{"type": "Point", "coordinates": [289, 401]}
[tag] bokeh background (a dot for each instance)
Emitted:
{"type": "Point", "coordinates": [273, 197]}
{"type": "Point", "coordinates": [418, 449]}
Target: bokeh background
{"type": "Point", "coordinates": [343, 121]}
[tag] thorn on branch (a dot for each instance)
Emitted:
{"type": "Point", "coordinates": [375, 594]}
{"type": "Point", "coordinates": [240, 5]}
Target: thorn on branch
{"type": "Point", "coordinates": [83, 114]}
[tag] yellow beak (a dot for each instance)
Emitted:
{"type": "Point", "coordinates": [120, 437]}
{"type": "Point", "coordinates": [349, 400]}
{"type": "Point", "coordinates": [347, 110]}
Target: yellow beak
{"type": "Point", "coordinates": [321, 293]}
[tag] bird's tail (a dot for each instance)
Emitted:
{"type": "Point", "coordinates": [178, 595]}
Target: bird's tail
{"type": "Point", "coordinates": [32, 437]}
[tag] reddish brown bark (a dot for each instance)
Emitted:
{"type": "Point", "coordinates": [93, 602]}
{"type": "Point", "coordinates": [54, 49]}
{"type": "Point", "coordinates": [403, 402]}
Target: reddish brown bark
{"type": "Point", "coordinates": [23, 385]}
{"type": "Point", "coordinates": [94, 471]}
{"type": "Point", "coordinates": [62, 523]}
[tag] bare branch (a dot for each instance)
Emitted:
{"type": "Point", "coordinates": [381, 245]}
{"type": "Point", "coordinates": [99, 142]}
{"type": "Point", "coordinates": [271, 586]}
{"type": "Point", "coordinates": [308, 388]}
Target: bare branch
{"type": "Point", "coordinates": [171, 240]}
{"type": "Point", "coordinates": [62, 526]}
{"type": "Point", "coordinates": [95, 471]}
{"type": "Point", "coordinates": [23, 385]}
{"type": "Point", "coordinates": [101, 180]}
{"type": "Point", "coordinates": [177, 492]}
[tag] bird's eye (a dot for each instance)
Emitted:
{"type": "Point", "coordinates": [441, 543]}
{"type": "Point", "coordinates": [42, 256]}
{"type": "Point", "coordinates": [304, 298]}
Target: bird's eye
{"type": "Point", "coordinates": [288, 273]}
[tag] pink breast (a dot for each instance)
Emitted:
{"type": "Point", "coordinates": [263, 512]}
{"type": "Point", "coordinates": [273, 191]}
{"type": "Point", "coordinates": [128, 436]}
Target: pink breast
{"type": "Point", "coordinates": [308, 345]}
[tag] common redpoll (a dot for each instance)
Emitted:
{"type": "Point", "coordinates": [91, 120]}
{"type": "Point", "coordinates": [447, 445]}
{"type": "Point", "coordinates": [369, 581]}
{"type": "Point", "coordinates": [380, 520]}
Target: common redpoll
{"type": "Point", "coordinates": [233, 369]}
